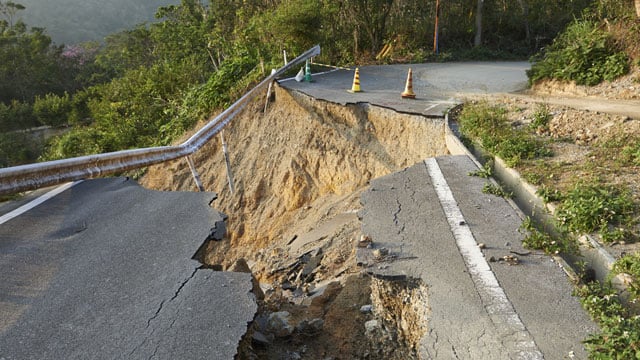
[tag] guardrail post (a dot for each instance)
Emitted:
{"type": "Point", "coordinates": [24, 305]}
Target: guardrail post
{"type": "Point", "coordinates": [194, 172]}
{"type": "Point", "coordinates": [266, 103]}
{"type": "Point", "coordinates": [33, 176]}
{"type": "Point", "coordinates": [226, 160]}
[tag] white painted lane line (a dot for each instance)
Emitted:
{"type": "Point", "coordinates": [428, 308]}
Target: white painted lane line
{"type": "Point", "coordinates": [497, 305]}
{"type": "Point", "coordinates": [30, 205]}
{"type": "Point", "coordinates": [431, 107]}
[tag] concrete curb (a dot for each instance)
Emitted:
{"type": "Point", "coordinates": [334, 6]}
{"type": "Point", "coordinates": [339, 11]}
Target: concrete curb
{"type": "Point", "coordinates": [528, 203]}
{"type": "Point", "coordinates": [523, 193]}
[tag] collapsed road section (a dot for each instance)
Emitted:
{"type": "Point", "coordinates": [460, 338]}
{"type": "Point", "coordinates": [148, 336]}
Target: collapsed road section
{"type": "Point", "coordinates": [487, 297]}
{"type": "Point", "coordinates": [104, 270]}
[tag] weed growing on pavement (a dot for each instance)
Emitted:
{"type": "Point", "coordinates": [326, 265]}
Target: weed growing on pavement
{"type": "Point", "coordinates": [619, 336]}
{"type": "Point", "coordinates": [541, 240]}
{"type": "Point", "coordinates": [630, 265]}
{"type": "Point", "coordinates": [594, 207]}
{"type": "Point", "coordinates": [485, 172]}
{"type": "Point", "coordinates": [548, 194]}
{"type": "Point", "coordinates": [488, 125]}
{"type": "Point", "coordinates": [496, 190]}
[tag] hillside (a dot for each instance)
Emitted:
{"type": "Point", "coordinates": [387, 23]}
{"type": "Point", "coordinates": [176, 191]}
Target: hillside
{"type": "Point", "coordinates": [76, 21]}
{"type": "Point", "coordinates": [299, 170]}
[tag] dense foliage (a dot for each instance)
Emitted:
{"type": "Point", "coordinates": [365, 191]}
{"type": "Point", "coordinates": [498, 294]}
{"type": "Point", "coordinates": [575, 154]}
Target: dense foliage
{"type": "Point", "coordinates": [146, 85]}
{"type": "Point", "coordinates": [583, 53]}
{"type": "Point", "coordinates": [488, 126]}
{"type": "Point", "coordinates": [593, 48]}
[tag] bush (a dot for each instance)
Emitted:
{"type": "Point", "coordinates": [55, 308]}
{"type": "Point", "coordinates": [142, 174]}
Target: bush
{"type": "Point", "coordinates": [18, 148]}
{"type": "Point", "coordinates": [16, 116]}
{"type": "Point", "coordinates": [79, 141]}
{"type": "Point", "coordinates": [489, 125]}
{"type": "Point", "coordinates": [52, 109]}
{"type": "Point", "coordinates": [590, 207]}
{"type": "Point", "coordinates": [582, 53]}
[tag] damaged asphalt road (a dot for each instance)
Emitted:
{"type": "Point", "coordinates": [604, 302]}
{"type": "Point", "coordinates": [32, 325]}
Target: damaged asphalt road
{"type": "Point", "coordinates": [105, 270]}
{"type": "Point", "coordinates": [433, 216]}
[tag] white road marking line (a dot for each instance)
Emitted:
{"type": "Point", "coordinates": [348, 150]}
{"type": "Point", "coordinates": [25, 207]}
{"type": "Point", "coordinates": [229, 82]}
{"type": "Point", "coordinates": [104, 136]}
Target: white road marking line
{"type": "Point", "coordinates": [431, 107]}
{"type": "Point", "coordinates": [30, 205]}
{"type": "Point", "coordinates": [496, 303]}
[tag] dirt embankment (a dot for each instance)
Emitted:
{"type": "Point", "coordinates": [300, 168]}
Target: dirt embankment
{"type": "Point", "coordinates": [299, 169]}
{"type": "Point", "coordinates": [300, 156]}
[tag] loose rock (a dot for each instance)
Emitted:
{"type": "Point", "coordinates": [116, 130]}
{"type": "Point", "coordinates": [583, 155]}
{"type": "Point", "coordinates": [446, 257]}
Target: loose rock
{"type": "Point", "coordinates": [371, 325]}
{"type": "Point", "coordinates": [365, 309]}
{"type": "Point", "coordinates": [278, 324]}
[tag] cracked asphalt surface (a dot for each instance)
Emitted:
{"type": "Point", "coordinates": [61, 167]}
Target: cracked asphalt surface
{"type": "Point", "coordinates": [104, 271]}
{"type": "Point", "coordinates": [466, 319]}
{"type": "Point", "coordinates": [438, 86]}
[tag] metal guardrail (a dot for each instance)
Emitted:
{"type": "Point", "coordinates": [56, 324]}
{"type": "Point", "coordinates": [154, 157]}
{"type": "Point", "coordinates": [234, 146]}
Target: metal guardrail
{"type": "Point", "coordinates": [33, 176]}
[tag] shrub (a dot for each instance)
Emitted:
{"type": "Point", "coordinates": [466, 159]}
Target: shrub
{"type": "Point", "coordinates": [489, 126]}
{"type": "Point", "coordinates": [18, 148]}
{"type": "Point", "coordinates": [17, 115]}
{"type": "Point", "coordinates": [591, 207]}
{"type": "Point", "coordinates": [52, 109]}
{"type": "Point", "coordinates": [582, 53]}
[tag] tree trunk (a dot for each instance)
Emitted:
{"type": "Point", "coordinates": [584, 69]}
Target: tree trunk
{"type": "Point", "coordinates": [478, 39]}
{"type": "Point", "coordinates": [638, 8]}
{"type": "Point", "coordinates": [525, 15]}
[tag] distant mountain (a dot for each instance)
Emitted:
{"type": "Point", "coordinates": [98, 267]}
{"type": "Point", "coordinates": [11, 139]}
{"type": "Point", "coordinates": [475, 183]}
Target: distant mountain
{"type": "Point", "coordinates": [75, 21]}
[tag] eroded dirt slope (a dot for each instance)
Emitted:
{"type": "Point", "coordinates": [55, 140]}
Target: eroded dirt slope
{"type": "Point", "coordinates": [301, 157]}
{"type": "Point", "coordinates": [299, 169]}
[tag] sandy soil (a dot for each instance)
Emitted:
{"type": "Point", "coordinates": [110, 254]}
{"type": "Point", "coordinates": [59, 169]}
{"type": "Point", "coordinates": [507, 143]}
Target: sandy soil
{"type": "Point", "coordinates": [299, 170]}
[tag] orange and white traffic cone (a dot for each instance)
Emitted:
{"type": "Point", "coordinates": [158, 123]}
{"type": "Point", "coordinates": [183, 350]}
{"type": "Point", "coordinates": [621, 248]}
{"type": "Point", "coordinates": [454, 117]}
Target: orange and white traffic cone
{"type": "Point", "coordinates": [356, 82]}
{"type": "Point", "coordinates": [408, 89]}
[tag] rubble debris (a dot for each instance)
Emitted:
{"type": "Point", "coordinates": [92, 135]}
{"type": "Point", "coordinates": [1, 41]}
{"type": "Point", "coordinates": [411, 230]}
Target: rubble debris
{"type": "Point", "coordinates": [365, 241]}
{"type": "Point", "coordinates": [278, 324]}
{"type": "Point", "coordinates": [371, 325]}
{"type": "Point", "coordinates": [380, 253]}
{"type": "Point", "coordinates": [366, 309]}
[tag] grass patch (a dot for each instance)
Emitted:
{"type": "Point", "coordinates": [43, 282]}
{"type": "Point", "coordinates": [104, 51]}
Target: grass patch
{"type": "Point", "coordinates": [548, 194]}
{"type": "Point", "coordinates": [541, 240]}
{"type": "Point", "coordinates": [489, 126]}
{"type": "Point", "coordinates": [630, 265]}
{"type": "Point", "coordinates": [619, 337]}
{"type": "Point", "coordinates": [492, 189]}
{"type": "Point", "coordinates": [594, 207]}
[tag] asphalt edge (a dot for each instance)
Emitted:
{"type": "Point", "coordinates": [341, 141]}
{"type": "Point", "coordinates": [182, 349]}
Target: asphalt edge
{"type": "Point", "coordinates": [526, 202]}
{"type": "Point", "coordinates": [521, 189]}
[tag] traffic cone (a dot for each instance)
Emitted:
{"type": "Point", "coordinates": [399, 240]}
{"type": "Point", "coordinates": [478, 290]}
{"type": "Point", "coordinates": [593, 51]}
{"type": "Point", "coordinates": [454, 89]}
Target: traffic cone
{"type": "Point", "coordinates": [307, 73]}
{"type": "Point", "coordinates": [408, 89]}
{"type": "Point", "coordinates": [356, 82]}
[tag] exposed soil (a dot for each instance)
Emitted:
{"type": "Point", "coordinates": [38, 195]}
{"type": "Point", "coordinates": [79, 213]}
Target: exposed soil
{"type": "Point", "coordinates": [587, 142]}
{"type": "Point", "coordinates": [299, 170]}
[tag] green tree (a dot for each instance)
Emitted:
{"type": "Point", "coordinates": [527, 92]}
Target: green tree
{"type": "Point", "coordinates": [9, 9]}
{"type": "Point", "coordinates": [52, 109]}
